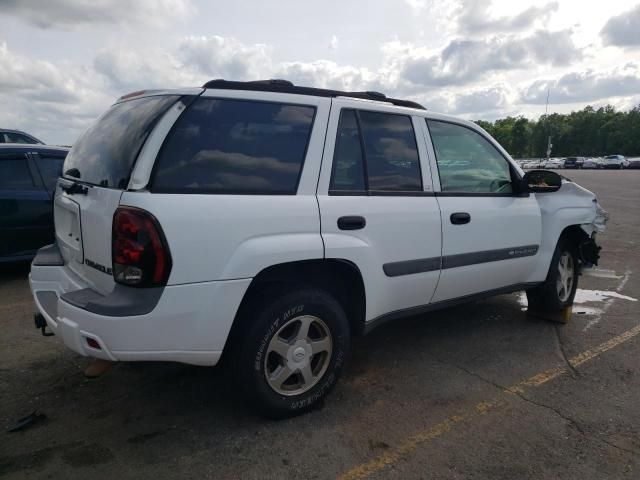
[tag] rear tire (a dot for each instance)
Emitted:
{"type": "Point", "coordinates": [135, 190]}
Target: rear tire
{"type": "Point", "coordinates": [559, 289]}
{"type": "Point", "coordinates": [292, 349]}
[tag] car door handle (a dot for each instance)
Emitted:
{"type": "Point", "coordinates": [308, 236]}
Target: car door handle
{"type": "Point", "coordinates": [351, 223]}
{"type": "Point", "coordinates": [460, 218]}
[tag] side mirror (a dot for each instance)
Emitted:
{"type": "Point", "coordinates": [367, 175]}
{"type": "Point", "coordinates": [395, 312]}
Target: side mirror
{"type": "Point", "coordinates": [542, 181]}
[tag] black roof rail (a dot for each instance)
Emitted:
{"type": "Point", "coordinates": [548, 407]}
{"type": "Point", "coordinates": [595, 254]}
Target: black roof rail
{"type": "Point", "coordinates": [285, 86]}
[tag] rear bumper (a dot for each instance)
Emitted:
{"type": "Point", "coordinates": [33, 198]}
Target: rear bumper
{"type": "Point", "coordinates": [182, 323]}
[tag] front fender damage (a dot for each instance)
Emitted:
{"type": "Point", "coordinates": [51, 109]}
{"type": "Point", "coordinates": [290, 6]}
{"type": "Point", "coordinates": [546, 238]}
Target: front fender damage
{"type": "Point", "coordinates": [589, 250]}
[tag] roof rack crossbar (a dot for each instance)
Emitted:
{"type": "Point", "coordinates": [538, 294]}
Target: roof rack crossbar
{"type": "Point", "coordinates": [285, 86]}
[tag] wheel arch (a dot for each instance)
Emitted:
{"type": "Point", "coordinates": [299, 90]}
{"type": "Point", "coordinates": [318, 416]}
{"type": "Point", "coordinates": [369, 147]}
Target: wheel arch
{"type": "Point", "coordinates": [339, 277]}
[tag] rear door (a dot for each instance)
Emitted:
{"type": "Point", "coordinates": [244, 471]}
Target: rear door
{"type": "Point", "coordinates": [490, 233]}
{"type": "Point", "coordinates": [100, 163]}
{"type": "Point", "coordinates": [25, 207]}
{"type": "Point", "coordinates": [377, 205]}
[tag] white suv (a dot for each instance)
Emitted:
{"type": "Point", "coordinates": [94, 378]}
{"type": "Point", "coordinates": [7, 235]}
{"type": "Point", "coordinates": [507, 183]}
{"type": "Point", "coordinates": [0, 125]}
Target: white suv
{"type": "Point", "coordinates": [267, 224]}
{"type": "Point", "coordinates": [616, 161]}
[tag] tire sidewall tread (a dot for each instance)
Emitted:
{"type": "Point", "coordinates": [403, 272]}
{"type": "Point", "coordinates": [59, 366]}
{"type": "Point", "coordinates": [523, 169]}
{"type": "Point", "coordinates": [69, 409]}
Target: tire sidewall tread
{"type": "Point", "coordinates": [269, 314]}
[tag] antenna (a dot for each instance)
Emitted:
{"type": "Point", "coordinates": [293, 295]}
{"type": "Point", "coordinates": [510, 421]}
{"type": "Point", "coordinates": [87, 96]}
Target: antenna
{"type": "Point", "coordinates": [546, 121]}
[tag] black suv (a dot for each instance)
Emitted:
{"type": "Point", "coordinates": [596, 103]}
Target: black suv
{"type": "Point", "coordinates": [28, 176]}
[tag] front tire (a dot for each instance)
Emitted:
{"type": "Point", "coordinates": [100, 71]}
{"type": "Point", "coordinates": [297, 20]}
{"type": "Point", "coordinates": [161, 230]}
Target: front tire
{"type": "Point", "coordinates": [559, 289]}
{"type": "Point", "coordinates": [292, 351]}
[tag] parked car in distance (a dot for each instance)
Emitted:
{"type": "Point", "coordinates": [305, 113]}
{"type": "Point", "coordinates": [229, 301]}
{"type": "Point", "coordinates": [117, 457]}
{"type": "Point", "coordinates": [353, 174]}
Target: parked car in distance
{"type": "Point", "coordinates": [592, 162]}
{"type": "Point", "coordinates": [634, 162]}
{"type": "Point", "coordinates": [28, 177]}
{"type": "Point", "coordinates": [17, 136]}
{"type": "Point", "coordinates": [271, 223]}
{"type": "Point", "coordinates": [538, 163]}
{"type": "Point", "coordinates": [528, 162]}
{"type": "Point", "coordinates": [616, 161]}
{"type": "Point", "coordinates": [553, 163]}
{"type": "Point", "coordinates": [573, 162]}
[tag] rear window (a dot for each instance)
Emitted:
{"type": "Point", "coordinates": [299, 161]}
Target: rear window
{"type": "Point", "coordinates": [105, 153]}
{"type": "Point", "coordinates": [223, 146]}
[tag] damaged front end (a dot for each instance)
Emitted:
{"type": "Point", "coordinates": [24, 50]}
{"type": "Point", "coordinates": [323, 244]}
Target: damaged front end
{"type": "Point", "coordinates": [588, 249]}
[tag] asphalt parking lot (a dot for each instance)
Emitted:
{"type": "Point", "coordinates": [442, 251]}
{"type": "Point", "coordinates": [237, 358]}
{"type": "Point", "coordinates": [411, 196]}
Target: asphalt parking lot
{"type": "Point", "coordinates": [479, 391]}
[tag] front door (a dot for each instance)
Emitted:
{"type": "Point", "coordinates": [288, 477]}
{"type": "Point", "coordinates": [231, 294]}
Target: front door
{"type": "Point", "coordinates": [490, 231]}
{"type": "Point", "coordinates": [377, 206]}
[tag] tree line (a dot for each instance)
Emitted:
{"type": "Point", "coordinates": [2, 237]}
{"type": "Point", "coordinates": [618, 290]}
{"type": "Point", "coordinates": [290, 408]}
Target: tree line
{"type": "Point", "coordinates": [588, 132]}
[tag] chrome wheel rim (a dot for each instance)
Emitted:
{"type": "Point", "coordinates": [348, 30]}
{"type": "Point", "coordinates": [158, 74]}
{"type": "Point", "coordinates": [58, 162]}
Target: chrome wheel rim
{"type": "Point", "coordinates": [566, 276]}
{"type": "Point", "coordinates": [298, 355]}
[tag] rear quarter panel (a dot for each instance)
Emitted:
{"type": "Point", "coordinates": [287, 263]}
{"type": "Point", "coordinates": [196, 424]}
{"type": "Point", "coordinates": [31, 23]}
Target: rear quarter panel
{"type": "Point", "coordinates": [224, 237]}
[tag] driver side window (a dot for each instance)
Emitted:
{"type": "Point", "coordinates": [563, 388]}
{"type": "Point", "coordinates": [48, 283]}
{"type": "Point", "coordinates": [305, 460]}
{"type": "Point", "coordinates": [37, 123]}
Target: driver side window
{"type": "Point", "coordinates": [467, 162]}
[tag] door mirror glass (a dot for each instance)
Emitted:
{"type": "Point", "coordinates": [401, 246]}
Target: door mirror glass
{"type": "Point", "coordinates": [542, 181]}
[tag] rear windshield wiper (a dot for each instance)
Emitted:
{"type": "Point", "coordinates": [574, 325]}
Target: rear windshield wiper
{"type": "Point", "coordinates": [69, 186]}
{"type": "Point", "coordinates": [74, 188]}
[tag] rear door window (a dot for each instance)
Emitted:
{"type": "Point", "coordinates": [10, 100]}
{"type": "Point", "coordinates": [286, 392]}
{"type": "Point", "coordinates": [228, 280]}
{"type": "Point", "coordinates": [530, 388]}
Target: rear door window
{"type": "Point", "coordinates": [50, 168]}
{"type": "Point", "coordinates": [14, 173]}
{"type": "Point", "coordinates": [105, 153]}
{"type": "Point", "coordinates": [348, 169]}
{"type": "Point", "coordinates": [386, 142]}
{"type": "Point", "coordinates": [391, 151]}
{"type": "Point", "coordinates": [223, 146]}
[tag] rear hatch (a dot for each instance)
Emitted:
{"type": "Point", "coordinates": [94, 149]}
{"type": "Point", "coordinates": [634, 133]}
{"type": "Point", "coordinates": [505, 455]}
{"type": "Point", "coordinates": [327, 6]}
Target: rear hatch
{"type": "Point", "coordinates": [95, 174]}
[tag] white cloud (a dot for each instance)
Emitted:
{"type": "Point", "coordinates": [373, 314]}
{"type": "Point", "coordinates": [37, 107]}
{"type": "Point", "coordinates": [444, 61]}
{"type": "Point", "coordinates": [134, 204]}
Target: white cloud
{"type": "Point", "coordinates": [52, 101]}
{"type": "Point", "coordinates": [333, 43]}
{"type": "Point", "coordinates": [623, 30]}
{"type": "Point", "coordinates": [475, 18]}
{"type": "Point", "coordinates": [127, 70]}
{"type": "Point", "coordinates": [479, 61]}
{"type": "Point", "coordinates": [417, 4]}
{"type": "Point", "coordinates": [220, 57]}
{"type": "Point", "coordinates": [467, 61]}
{"type": "Point", "coordinates": [69, 14]}
{"type": "Point", "coordinates": [326, 74]}
{"type": "Point", "coordinates": [586, 86]}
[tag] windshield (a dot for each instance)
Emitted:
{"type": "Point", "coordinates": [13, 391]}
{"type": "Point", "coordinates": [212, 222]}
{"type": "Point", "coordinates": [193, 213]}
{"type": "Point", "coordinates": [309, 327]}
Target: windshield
{"type": "Point", "coordinates": [105, 153]}
{"type": "Point", "coordinates": [611, 157]}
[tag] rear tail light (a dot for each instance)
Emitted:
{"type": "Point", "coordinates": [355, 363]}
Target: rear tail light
{"type": "Point", "coordinates": [139, 250]}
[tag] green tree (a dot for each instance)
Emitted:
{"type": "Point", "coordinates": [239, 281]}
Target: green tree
{"type": "Point", "coordinates": [587, 132]}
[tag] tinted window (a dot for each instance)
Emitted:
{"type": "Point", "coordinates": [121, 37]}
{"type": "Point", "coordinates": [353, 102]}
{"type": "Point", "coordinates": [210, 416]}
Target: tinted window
{"type": "Point", "coordinates": [235, 147]}
{"type": "Point", "coordinates": [391, 152]}
{"type": "Point", "coordinates": [348, 173]}
{"type": "Point", "coordinates": [14, 173]}
{"type": "Point", "coordinates": [105, 153]}
{"type": "Point", "coordinates": [18, 138]}
{"type": "Point", "coordinates": [50, 169]}
{"type": "Point", "coordinates": [467, 162]}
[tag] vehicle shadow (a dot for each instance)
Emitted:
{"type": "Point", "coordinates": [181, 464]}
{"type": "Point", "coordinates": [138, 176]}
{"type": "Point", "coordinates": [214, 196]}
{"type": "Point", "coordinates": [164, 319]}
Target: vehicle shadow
{"type": "Point", "coordinates": [177, 409]}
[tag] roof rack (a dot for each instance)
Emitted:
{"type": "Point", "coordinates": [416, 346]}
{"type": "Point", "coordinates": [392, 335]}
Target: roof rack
{"type": "Point", "coordinates": [285, 86]}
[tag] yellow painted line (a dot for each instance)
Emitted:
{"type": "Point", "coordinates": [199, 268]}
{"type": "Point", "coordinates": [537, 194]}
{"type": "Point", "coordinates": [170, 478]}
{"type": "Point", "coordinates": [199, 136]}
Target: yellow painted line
{"type": "Point", "coordinates": [414, 441]}
{"type": "Point", "coordinates": [603, 347]}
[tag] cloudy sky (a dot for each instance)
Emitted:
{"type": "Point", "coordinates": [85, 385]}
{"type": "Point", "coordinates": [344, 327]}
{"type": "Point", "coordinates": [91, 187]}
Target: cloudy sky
{"type": "Point", "coordinates": [63, 62]}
